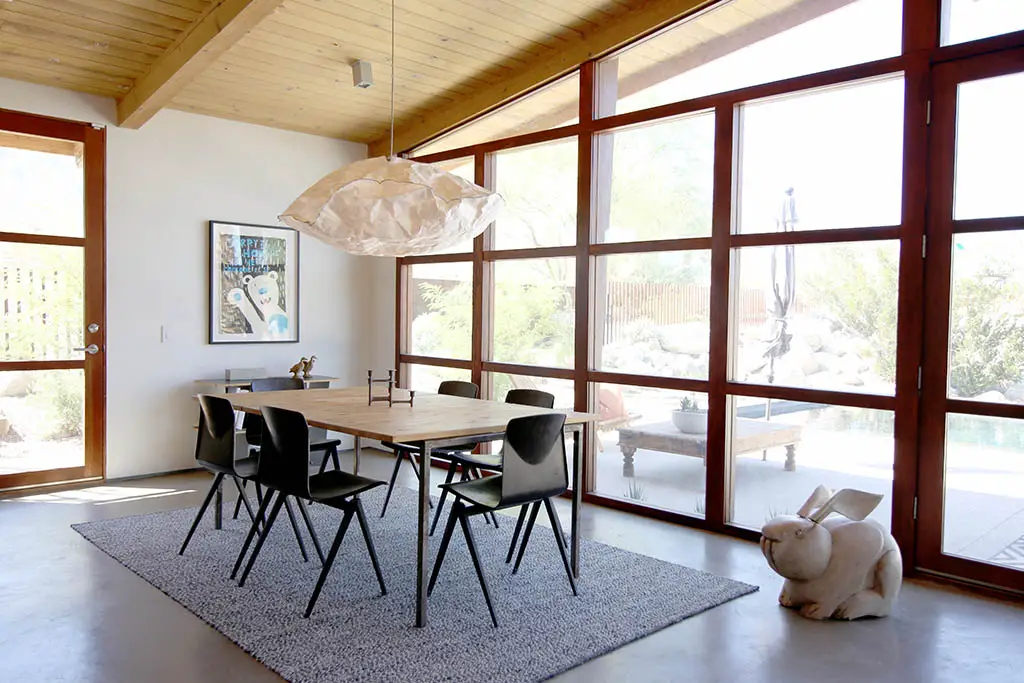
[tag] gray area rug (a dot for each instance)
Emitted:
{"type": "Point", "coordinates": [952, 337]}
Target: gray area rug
{"type": "Point", "coordinates": [355, 634]}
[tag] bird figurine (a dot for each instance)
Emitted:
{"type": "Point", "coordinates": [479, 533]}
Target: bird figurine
{"type": "Point", "coordinates": [307, 367]}
{"type": "Point", "coordinates": [298, 367]}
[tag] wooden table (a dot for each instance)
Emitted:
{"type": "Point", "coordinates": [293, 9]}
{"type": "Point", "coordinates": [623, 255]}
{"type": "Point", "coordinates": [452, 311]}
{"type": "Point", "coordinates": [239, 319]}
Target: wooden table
{"type": "Point", "coordinates": [748, 436]}
{"type": "Point", "coordinates": [436, 421]}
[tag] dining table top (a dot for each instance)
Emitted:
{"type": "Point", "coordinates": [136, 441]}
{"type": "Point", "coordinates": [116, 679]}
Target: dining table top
{"type": "Point", "coordinates": [430, 417]}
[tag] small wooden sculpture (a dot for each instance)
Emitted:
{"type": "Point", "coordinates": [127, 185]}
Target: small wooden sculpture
{"type": "Point", "coordinates": [844, 568]}
{"type": "Point", "coordinates": [297, 368]}
{"type": "Point", "coordinates": [307, 367]}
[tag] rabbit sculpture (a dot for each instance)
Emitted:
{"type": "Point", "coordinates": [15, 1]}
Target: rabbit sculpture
{"type": "Point", "coordinates": [844, 568]}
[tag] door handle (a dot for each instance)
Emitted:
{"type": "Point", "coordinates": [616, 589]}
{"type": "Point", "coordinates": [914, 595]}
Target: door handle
{"type": "Point", "coordinates": [91, 349]}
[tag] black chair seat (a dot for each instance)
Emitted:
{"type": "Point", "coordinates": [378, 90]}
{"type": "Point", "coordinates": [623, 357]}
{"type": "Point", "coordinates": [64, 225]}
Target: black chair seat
{"type": "Point", "coordinates": [485, 492]}
{"type": "Point", "coordinates": [247, 467]}
{"type": "Point", "coordinates": [488, 461]}
{"type": "Point", "coordinates": [335, 484]}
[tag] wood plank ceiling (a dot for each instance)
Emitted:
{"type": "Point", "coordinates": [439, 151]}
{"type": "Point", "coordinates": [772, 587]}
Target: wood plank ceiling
{"type": "Point", "coordinates": [290, 67]}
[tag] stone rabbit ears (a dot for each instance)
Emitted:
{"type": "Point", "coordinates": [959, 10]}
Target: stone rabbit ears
{"type": "Point", "coordinates": [850, 503]}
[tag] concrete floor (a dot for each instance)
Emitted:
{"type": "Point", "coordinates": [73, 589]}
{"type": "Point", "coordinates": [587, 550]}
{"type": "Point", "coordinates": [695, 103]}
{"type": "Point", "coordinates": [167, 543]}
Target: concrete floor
{"type": "Point", "coordinates": [68, 612]}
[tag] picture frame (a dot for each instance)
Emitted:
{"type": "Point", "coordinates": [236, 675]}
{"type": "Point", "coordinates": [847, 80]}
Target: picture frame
{"type": "Point", "coordinates": [253, 284]}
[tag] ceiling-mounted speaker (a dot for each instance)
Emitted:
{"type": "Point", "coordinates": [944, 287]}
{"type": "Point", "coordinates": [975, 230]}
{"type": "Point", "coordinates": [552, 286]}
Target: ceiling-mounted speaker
{"type": "Point", "coordinates": [362, 74]}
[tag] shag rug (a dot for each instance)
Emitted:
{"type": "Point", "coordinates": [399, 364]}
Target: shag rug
{"type": "Point", "coordinates": [355, 634]}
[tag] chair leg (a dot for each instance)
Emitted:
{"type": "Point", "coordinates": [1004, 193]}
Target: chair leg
{"type": "Point", "coordinates": [488, 516]}
{"type": "Point", "coordinates": [311, 529]}
{"type": "Point", "coordinates": [523, 509]}
{"type": "Point", "coordinates": [479, 569]}
{"type": "Point", "coordinates": [452, 466]}
{"type": "Point", "coordinates": [361, 516]}
{"type": "Point", "coordinates": [331, 554]}
{"type": "Point", "coordinates": [556, 528]}
{"type": "Point", "coordinates": [254, 528]}
{"type": "Point", "coordinates": [238, 505]}
{"type": "Point", "coordinates": [202, 509]}
{"type": "Point", "coordinates": [242, 498]}
{"type": "Point", "coordinates": [391, 484]}
{"type": "Point", "coordinates": [526, 535]}
{"type": "Point", "coordinates": [281, 500]}
{"type": "Point", "coordinates": [453, 518]}
{"type": "Point", "coordinates": [295, 528]}
{"type": "Point", "coordinates": [260, 495]}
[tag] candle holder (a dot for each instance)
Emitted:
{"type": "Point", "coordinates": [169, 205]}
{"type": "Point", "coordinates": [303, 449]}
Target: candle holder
{"type": "Point", "coordinates": [390, 395]}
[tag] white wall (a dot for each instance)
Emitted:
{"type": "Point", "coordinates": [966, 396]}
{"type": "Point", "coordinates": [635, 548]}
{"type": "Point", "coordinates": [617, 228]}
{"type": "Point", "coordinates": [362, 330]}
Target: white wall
{"type": "Point", "coordinates": [164, 182]}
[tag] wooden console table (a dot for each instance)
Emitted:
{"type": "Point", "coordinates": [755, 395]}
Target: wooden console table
{"type": "Point", "coordinates": [226, 386]}
{"type": "Point", "coordinates": [748, 436]}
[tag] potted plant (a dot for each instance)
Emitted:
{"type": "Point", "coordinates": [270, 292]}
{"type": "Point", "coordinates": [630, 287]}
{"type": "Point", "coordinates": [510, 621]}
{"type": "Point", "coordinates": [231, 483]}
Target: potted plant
{"type": "Point", "coordinates": [690, 418]}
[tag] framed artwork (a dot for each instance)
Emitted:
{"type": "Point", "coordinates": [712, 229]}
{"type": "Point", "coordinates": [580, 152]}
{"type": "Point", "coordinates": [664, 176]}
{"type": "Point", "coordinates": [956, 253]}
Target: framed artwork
{"type": "Point", "coordinates": [254, 283]}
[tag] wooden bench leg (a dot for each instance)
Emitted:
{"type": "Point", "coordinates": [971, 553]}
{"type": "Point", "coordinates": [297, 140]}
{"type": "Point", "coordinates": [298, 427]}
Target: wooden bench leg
{"type": "Point", "coordinates": [790, 465]}
{"type": "Point", "coordinates": [627, 460]}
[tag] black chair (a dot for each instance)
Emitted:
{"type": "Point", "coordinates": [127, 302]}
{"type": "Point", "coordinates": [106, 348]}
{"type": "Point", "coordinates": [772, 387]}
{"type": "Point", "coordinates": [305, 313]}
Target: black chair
{"type": "Point", "coordinates": [409, 451]}
{"type": "Point", "coordinates": [215, 451]}
{"type": "Point", "coordinates": [471, 463]}
{"type": "Point", "coordinates": [284, 468]}
{"type": "Point", "coordinates": [535, 471]}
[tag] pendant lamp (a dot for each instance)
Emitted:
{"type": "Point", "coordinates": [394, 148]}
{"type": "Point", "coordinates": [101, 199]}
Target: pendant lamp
{"type": "Point", "coordinates": [388, 206]}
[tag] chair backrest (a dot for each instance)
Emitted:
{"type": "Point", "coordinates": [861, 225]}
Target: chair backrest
{"type": "Point", "coordinates": [252, 423]}
{"type": "Point", "coordinates": [533, 456]}
{"type": "Point", "coordinates": [215, 443]}
{"type": "Point", "coordinates": [454, 387]}
{"type": "Point", "coordinates": [530, 397]}
{"type": "Point", "coordinates": [284, 453]}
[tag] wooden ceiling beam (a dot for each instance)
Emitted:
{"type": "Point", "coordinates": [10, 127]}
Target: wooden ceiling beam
{"type": "Point", "coordinates": [601, 41]}
{"type": "Point", "coordinates": [196, 48]}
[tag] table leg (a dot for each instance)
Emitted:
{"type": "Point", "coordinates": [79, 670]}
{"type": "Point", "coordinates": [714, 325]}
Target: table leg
{"type": "Point", "coordinates": [627, 460]}
{"type": "Point", "coordinates": [422, 551]}
{"type": "Point", "coordinates": [790, 465]}
{"type": "Point", "coordinates": [577, 498]}
{"type": "Point", "coordinates": [356, 454]}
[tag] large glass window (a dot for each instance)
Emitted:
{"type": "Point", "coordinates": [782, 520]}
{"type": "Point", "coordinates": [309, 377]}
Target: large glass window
{"type": "Point", "coordinates": [654, 313]}
{"type": "Point", "coordinates": [818, 316]}
{"type": "Point", "coordinates": [831, 158]}
{"type": "Point", "coordinates": [655, 181]}
{"type": "Point", "coordinates": [651, 446]}
{"type": "Point", "coordinates": [989, 147]}
{"type": "Point", "coordinates": [742, 43]}
{"type": "Point", "coordinates": [986, 322]}
{"type": "Point", "coordinates": [782, 450]}
{"type": "Point", "coordinates": [464, 168]}
{"type": "Point", "coordinates": [534, 311]}
{"type": "Point", "coordinates": [442, 309]}
{"type": "Point", "coordinates": [538, 185]}
{"type": "Point", "coordinates": [964, 20]}
{"type": "Point", "coordinates": [429, 377]}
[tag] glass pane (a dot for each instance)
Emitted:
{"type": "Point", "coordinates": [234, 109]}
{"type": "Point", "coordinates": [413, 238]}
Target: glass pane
{"type": "Point", "coordinates": [826, 159]}
{"type": "Point", "coordinates": [534, 311]}
{"type": "Point", "coordinates": [983, 513]}
{"type": "Point", "coordinates": [986, 323]}
{"type": "Point", "coordinates": [656, 313]}
{"type": "Point", "coordinates": [643, 439]}
{"type": "Point", "coordinates": [42, 187]}
{"type": "Point", "coordinates": [748, 42]}
{"type": "Point", "coordinates": [782, 450]}
{"type": "Point", "coordinates": [818, 316]}
{"type": "Point", "coordinates": [964, 20]}
{"type": "Point", "coordinates": [429, 377]}
{"type": "Point", "coordinates": [538, 184]}
{"type": "Point", "coordinates": [552, 106]}
{"type": "Point", "coordinates": [441, 309]}
{"type": "Point", "coordinates": [989, 147]}
{"type": "Point", "coordinates": [42, 420]}
{"type": "Point", "coordinates": [561, 389]}
{"type": "Point", "coordinates": [40, 301]}
{"type": "Point", "coordinates": [464, 168]}
{"type": "Point", "coordinates": [661, 177]}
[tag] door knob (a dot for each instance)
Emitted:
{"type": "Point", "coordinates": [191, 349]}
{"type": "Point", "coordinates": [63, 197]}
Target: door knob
{"type": "Point", "coordinates": [90, 349]}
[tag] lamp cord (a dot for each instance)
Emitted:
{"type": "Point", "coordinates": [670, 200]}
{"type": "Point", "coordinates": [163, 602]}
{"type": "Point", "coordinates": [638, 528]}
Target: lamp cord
{"type": "Point", "coordinates": [391, 148]}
